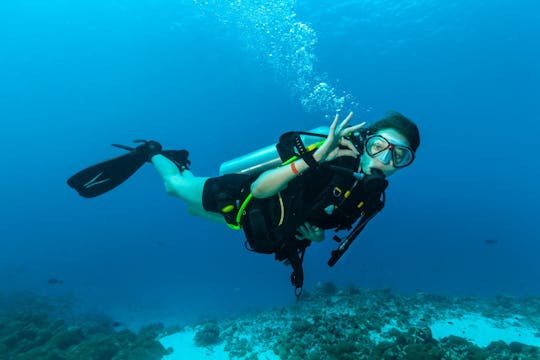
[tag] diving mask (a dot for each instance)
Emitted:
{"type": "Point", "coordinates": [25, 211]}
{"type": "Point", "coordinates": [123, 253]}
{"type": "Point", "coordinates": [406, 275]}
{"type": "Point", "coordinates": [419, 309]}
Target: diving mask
{"type": "Point", "coordinates": [380, 148]}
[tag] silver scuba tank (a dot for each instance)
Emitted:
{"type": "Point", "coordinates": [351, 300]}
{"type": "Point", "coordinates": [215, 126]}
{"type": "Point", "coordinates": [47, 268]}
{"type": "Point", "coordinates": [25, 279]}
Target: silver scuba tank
{"type": "Point", "coordinates": [265, 158]}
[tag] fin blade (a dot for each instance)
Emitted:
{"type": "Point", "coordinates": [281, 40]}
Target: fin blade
{"type": "Point", "coordinates": [106, 175]}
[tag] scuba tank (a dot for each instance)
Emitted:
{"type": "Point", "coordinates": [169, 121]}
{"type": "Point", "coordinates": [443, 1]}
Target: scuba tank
{"type": "Point", "coordinates": [266, 158]}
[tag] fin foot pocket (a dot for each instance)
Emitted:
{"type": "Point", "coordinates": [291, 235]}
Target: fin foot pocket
{"type": "Point", "coordinates": [178, 157]}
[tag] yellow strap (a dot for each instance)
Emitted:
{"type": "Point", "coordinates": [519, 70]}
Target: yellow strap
{"type": "Point", "coordinates": [282, 209]}
{"type": "Point", "coordinates": [227, 209]}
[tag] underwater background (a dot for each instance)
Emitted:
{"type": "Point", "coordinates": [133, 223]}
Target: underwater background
{"type": "Point", "coordinates": [222, 78]}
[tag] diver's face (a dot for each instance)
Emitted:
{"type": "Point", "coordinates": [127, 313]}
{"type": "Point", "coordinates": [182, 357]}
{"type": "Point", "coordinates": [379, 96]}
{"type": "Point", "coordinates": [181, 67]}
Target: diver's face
{"type": "Point", "coordinates": [381, 152]}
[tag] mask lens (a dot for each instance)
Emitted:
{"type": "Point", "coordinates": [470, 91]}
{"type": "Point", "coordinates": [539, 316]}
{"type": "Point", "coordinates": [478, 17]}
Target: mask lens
{"type": "Point", "coordinates": [376, 145]}
{"type": "Point", "coordinates": [402, 156]}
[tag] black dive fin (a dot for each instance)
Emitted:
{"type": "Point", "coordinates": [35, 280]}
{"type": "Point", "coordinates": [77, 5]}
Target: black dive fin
{"type": "Point", "coordinates": [105, 176]}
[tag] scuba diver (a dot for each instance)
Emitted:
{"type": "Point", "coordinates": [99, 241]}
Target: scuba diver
{"type": "Point", "coordinates": [332, 178]}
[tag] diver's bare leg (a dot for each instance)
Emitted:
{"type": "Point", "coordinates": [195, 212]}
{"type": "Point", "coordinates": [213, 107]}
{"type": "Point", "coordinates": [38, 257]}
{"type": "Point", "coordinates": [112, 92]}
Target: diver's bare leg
{"type": "Point", "coordinates": [185, 186]}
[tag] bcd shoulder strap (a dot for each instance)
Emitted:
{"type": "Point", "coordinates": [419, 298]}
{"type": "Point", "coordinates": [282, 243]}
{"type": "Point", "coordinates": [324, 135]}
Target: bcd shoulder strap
{"type": "Point", "coordinates": [291, 141]}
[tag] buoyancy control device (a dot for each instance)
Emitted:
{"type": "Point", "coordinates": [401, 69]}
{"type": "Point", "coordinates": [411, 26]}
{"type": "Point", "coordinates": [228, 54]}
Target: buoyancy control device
{"type": "Point", "coordinates": [256, 226]}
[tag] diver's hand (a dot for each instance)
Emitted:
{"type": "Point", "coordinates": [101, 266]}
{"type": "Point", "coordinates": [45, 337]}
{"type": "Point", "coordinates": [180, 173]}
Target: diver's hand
{"type": "Point", "coordinates": [310, 232]}
{"type": "Point", "coordinates": [335, 144]}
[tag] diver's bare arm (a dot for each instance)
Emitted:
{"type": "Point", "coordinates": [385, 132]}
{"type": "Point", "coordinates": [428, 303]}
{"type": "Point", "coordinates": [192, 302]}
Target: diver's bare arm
{"type": "Point", "coordinates": [272, 181]}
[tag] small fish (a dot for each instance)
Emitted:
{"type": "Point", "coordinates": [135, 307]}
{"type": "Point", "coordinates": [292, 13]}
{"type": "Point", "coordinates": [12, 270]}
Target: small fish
{"type": "Point", "coordinates": [54, 281]}
{"type": "Point", "coordinates": [491, 242]}
{"type": "Point", "coordinates": [116, 324]}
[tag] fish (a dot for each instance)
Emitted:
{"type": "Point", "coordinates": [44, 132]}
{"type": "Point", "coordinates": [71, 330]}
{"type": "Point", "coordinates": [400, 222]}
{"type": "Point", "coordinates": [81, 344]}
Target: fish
{"type": "Point", "coordinates": [54, 281]}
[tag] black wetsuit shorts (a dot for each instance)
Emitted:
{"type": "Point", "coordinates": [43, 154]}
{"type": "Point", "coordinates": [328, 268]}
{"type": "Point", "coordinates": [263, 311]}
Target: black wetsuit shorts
{"type": "Point", "coordinates": [225, 190]}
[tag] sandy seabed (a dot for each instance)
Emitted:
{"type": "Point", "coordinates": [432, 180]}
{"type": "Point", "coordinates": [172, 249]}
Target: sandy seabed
{"type": "Point", "coordinates": [363, 324]}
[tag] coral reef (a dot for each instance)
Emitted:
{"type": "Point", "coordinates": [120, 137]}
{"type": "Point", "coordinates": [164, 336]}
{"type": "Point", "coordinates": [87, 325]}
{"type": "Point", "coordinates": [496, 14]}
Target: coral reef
{"type": "Point", "coordinates": [207, 334]}
{"type": "Point", "coordinates": [31, 327]}
{"type": "Point", "coordinates": [327, 323]}
{"type": "Point", "coordinates": [333, 324]}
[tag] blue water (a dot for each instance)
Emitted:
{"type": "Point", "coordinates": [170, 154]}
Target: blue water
{"type": "Point", "coordinates": [222, 78]}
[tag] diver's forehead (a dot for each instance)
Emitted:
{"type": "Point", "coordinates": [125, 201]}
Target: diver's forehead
{"type": "Point", "coordinates": [393, 136]}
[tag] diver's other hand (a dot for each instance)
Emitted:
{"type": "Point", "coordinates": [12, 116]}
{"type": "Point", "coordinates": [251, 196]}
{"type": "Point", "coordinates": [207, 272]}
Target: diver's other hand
{"type": "Point", "coordinates": [310, 232]}
{"type": "Point", "coordinates": [149, 148]}
{"type": "Point", "coordinates": [335, 144]}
